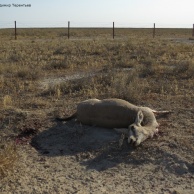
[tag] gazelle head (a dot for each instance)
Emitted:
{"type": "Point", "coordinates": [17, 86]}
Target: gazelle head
{"type": "Point", "coordinates": [136, 133]}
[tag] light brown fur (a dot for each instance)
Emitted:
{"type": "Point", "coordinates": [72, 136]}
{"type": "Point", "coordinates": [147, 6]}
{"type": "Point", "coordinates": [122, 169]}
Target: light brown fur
{"type": "Point", "coordinates": [137, 123]}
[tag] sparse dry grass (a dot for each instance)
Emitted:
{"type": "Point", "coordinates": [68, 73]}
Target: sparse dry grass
{"type": "Point", "coordinates": [8, 157]}
{"type": "Point", "coordinates": [161, 70]}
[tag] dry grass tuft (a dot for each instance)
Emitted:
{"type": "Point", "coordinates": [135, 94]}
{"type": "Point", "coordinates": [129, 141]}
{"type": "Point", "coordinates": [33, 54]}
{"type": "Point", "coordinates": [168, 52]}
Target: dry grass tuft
{"type": "Point", "coordinates": [190, 71]}
{"type": "Point", "coordinates": [184, 69]}
{"type": "Point", "coordinates": [191, 38]}
{"type": "Point", "coordinates": [128, 86]}
{"type": "Point", "coordinates": [7, 101]}
{"type": "Point", "coordinates": [27, 74]}
{"type": "Point", "coordinates": [8, 157]}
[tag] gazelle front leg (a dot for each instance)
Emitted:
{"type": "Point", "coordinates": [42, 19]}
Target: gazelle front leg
{"type": "Point", "coordinates": [124, 134]}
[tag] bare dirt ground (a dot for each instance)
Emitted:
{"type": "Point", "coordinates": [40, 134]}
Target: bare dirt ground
{"type": "Point", "coordinates": [67, 157]}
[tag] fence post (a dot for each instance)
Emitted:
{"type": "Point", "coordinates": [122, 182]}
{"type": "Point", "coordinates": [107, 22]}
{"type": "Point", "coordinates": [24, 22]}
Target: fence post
{"type": "Point", "coordinates": [154, 30]}
{"type": "Point", "coordinates": [68, 29]}
{"type": "Point", "coordinates": [113, 30]}
{"type": "Point", "coordinates": [193, 30]}
{"type": "Point", "coordinates": [15, 31]}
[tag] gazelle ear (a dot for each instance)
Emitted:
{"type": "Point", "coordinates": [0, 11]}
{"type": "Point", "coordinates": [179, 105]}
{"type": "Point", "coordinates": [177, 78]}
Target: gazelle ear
{"type": "Point", "coordinates": [139, 118]}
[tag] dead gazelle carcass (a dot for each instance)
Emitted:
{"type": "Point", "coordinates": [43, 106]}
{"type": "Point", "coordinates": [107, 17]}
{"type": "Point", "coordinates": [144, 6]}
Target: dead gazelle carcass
{"type": "Point", "coordinates": [136, 123]}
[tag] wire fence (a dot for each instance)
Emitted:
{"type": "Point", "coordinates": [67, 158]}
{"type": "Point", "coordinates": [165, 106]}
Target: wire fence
{"type": "Point", "coordinates": [67, 29]}
{"type": "Point", "coordinates": [79, 24]}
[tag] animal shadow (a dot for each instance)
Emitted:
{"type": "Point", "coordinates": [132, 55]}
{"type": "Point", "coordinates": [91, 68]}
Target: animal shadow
{"type": "Point", "coordinates": [98, 148]}
{"type": "Point", "coordinates": [90, 145]}
{"type": "Point", "coordinates": [72, 138]}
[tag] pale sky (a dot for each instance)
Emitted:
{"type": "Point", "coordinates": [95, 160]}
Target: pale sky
{"type": "Point", "coordinates": [98, 13]}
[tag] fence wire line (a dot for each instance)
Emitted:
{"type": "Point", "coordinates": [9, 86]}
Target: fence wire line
{"type": "Point", "coordinates": [74, 24]}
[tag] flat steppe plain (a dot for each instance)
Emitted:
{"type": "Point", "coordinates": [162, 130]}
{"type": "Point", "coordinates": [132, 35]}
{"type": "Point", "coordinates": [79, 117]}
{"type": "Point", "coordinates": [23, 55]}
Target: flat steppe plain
{"type": "Point", "coordinates": [44, 75]}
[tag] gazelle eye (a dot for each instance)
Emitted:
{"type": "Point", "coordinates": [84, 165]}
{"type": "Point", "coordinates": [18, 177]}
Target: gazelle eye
{"type": "Point", "coordinates": [133, 129]}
